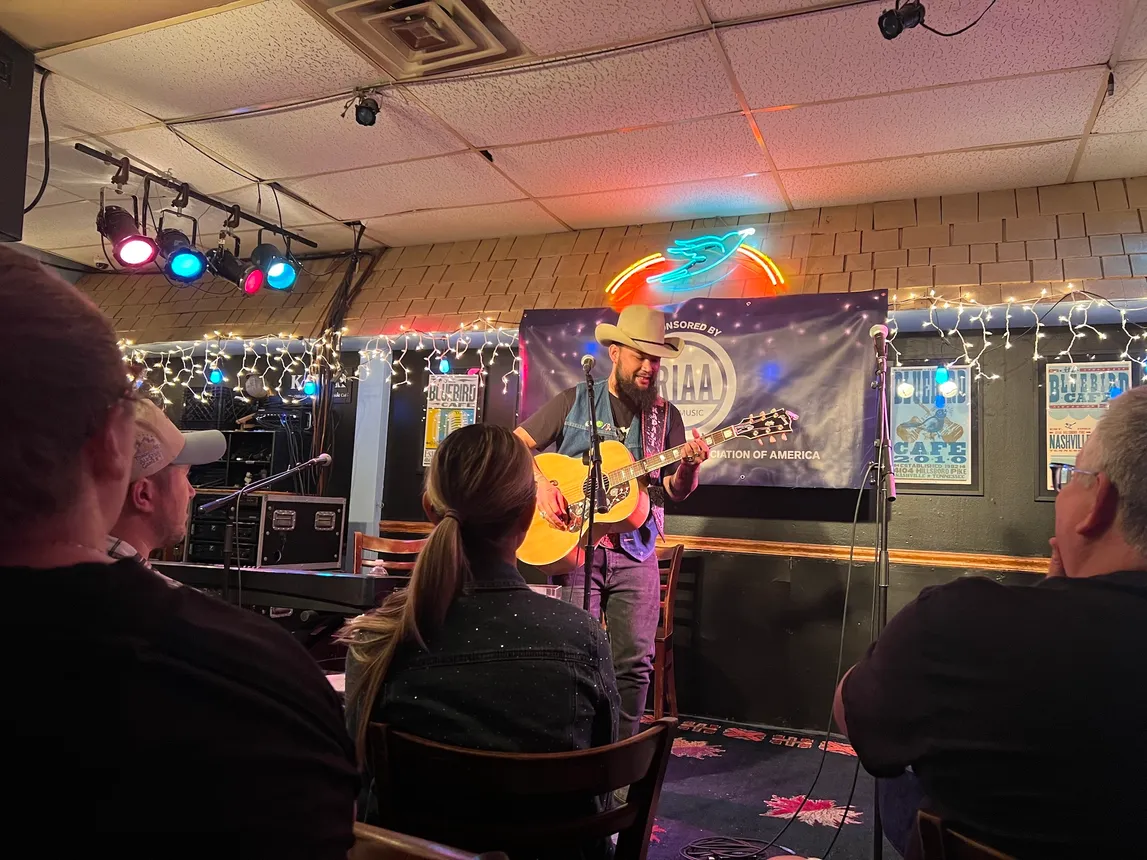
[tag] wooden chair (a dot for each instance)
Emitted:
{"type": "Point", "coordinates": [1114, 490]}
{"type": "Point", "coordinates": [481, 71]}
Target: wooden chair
{"type": "Point", "coordinates": [399, 554]}
{"type": "Point", "coordinates": [940, 842]}
{"type": "Point", "coordinates": [519, 802]}
{"type": "Point", "coordinates": [374, 843]}
{"type": "Point", "coordinates": [664, 681]}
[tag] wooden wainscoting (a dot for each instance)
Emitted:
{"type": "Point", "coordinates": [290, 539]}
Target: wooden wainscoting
{"type": "Point", "coordinates": [863, 554]}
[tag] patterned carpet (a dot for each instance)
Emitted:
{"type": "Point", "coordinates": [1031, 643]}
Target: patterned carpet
{"type": "Point", "coordinates": [735, 780]}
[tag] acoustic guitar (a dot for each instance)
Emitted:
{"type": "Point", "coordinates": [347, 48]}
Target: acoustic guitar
{"type": "Point", "coordinates": [557, 548]}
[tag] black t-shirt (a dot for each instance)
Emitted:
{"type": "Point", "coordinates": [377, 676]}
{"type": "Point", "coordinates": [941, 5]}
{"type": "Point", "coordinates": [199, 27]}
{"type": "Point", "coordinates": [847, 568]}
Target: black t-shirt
{"type": "Point", "coordinates": [136, 706]}
{"type": "Point", "coordinates": [546, 426]}
{"type": "Point", "coordinates": [1021, 709]}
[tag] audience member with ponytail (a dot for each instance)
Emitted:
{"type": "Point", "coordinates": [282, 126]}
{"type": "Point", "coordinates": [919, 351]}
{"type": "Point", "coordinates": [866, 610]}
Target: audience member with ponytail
{"type": "Point", "coordinates": [467, 654]}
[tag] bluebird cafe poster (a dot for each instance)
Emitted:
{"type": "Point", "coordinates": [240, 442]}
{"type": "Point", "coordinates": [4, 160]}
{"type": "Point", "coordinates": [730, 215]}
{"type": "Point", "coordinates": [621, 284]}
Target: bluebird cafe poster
{"type": "Point", "coordinates": [1076, 397]}
{"type": "Point", "coordinates": [451, 402]}
{"type": "Point", "coordinates": [931, 433]}
{"type": "Point", "coordinates": [811, 355]}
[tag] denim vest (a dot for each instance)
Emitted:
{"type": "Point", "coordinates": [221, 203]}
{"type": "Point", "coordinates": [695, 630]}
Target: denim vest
{"type": "Point", "coordinates": [640, 543]}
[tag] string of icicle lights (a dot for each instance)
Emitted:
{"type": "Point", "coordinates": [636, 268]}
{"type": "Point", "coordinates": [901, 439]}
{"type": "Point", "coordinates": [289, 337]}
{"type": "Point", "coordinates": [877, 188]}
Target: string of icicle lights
{"type": "Point", "coordinates": [479, 335]}
{"type": "Point", "coordinates": [293, 367]}
{"type": "Point", "coordinates": [1071, 309]}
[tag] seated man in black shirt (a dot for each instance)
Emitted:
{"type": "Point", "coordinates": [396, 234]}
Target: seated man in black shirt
{"type": "Point", "coordinates": [1020, 710]}
{"type": "Point", "coordinates": [136, 709]}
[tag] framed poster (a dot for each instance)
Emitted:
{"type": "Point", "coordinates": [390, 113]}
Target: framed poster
{"type": "Point", "coordinates": [935, 430]}
{"type": "Point", "coordinates": [1075, 397]}
{"type": "Point", "coordinates": [451, 402]}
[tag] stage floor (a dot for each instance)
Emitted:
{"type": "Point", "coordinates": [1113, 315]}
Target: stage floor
{"type": "Point", "coordinates": [737, 780]}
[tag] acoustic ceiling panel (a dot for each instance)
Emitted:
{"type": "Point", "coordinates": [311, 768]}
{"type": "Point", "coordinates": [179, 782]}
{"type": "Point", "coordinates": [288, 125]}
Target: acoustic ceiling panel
{"type": "Point", "coordinates": [316, 139]}
{"type": "Point", "coordinates": [330, 237]}
{"type": "Point", "coordinates": [702, 149]}
{"type": "Point", "coordinates": [52, 196]}
{"type": "Point", "coordinates": [294, 213]}
{"type": "Point", "coordinates": [730, 10]}
{"type": "Point", "coordinates": [934, 120]}
{"type": "Point", "coordinates": [676, 80]}
{"type": "Point", "coordinates": [450, 180]}
{"type": "Point", "coordinates": [1126, 110]}
{"type": "Point", "coordinates": [164, 151]}
{"type": "Point", "coordinates": [76, 173]}
{"type": "Point", "coordinates": [841, 53]}
{"type": "Point", "coordinates": [560, 27]}
{"type": "Point", "coordinates": [269, 52]}
{"type": "Point", "coordinates": [74, 109]}
{"type": "Point", "coordinates": [88, 255]}
{"type": "Point", "coordinates": [708, 199]}
{"type": "Point", "coordinates": [929, 175]}
{"type": "Point", "coordinates": [517, 218]}
{"type": "Point", "coordinates": [1135, 45]}
{"type": "Point", "coordinates": [1113, 156]}
{"type": "Point", "coordinates": [66, 226]}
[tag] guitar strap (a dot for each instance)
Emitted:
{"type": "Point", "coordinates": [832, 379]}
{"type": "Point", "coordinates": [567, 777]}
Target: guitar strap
{"type": "Point", "coordinates": [653, 430]}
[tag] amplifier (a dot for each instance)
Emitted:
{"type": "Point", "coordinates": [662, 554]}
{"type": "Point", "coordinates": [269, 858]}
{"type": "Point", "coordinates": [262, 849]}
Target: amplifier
{"type": "Point", "coordinates": [275, 530]}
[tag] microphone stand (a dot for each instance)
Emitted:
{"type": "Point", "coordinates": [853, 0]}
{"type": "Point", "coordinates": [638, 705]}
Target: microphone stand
{"type": "Point", "coordinates": [596, 494]}
{"type": "Point", "coordinates": [885, 493]}
{"type": "Point", "coordinates": [230, 550]}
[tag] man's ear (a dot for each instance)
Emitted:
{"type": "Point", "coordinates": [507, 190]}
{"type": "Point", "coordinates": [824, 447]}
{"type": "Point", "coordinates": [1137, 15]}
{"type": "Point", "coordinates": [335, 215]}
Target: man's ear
{"type": "Point", "coordinates": [142, 494]}
{"type": "Point", "coordinates": [111, 448]}
{"type": "Point", "coordinates": [1104, 508]}
{"type": "Point", "coordinates": [614, 352]}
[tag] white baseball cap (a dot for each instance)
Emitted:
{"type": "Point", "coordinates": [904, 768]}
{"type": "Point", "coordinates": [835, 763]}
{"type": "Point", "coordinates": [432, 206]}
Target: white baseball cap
{"type": "Point", "coordinates": [159, 443]}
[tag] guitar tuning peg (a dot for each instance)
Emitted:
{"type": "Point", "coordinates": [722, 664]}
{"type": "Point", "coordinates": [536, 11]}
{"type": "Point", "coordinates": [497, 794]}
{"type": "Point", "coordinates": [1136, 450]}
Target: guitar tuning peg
{"type": "Point", "coordinates": [784, 437]}
{"type": "Point", "coordinates": [772, 440]}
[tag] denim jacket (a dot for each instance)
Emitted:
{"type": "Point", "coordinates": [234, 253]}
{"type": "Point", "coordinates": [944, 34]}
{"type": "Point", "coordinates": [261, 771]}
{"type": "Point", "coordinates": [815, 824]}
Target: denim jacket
{"type": "Point", "coordinates": [510, 671]}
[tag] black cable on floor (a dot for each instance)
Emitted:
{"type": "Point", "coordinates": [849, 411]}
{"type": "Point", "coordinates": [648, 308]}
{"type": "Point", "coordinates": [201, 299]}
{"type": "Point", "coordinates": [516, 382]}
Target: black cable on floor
{"type": "Point", "coordinates": [724, 848]}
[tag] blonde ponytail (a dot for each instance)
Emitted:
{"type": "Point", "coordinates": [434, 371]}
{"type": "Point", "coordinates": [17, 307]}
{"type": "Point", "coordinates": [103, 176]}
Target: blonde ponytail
{"type": "Point", "coordinates": [478, 484]}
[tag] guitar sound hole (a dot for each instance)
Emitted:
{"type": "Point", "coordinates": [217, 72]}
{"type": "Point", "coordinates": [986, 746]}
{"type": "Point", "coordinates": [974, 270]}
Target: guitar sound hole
{"type": "Point", "coordinates": [585, 488]}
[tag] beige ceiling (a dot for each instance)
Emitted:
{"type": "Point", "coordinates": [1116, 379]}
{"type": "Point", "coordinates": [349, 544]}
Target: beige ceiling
{"type": "Point", "coordinates": [782, 104]}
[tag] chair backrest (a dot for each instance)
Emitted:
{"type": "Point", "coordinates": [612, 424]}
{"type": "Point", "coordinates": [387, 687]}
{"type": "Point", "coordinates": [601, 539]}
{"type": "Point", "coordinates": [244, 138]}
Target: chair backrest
{"type": "Point", "coordinates": [669, 566]}
{"type": "Point", "coordinates": [941, 842]}
{"type": "Point", "coordinates": [520, 802]}
{"type": "Point", "coordinates": [392, 554]}
{"type": "Point", "coordinates": [374, 843]}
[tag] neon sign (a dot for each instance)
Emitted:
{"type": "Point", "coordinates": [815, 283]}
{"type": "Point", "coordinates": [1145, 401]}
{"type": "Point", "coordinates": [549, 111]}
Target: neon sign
{"type": "Point", "coordinates": [692, 265]}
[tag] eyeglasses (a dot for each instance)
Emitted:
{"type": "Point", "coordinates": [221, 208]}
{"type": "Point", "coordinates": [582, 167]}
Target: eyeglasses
{"type": "Point", "coordinates": [1061, 474]}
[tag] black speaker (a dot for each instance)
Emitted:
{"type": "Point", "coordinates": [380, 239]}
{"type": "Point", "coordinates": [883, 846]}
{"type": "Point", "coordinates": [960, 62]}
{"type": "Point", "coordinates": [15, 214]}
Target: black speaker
{"type": "Point", "coordinates": [16, 71]}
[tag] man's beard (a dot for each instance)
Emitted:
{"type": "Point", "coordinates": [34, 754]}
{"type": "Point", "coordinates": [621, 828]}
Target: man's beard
{"type": "Point", "coordinates": [642, 398]}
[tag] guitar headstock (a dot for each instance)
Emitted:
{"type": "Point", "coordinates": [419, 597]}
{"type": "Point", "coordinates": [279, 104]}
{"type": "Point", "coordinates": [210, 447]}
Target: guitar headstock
{"type": "Point", "coordinates": [772, 424]}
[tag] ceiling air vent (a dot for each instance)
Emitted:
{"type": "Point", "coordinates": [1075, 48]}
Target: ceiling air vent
{"type": "Point", "coordinates": [412, 39]}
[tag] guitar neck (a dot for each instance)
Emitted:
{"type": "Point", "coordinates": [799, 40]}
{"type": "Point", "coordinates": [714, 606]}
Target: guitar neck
{"type": "Point", "coordinates": [670, 455]}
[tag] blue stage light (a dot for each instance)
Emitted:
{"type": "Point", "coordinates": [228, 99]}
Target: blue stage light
{"type": "Point", "coordinates": [280, 271]}
{"type": "Point", "coordinates": [187, 265]}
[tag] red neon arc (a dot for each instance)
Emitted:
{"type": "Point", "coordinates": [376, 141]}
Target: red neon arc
{"type": "Point", "coordinates": [614, 293]}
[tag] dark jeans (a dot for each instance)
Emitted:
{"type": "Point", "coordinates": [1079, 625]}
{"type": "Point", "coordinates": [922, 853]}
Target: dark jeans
{"type": "Point", "coordinates": [629, 593]}
{"type": "Point", "coordinates": [900, 799]}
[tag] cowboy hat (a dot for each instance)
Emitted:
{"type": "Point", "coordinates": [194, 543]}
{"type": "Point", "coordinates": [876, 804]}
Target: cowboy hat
{"type": "Point", "coordinates": [640, 328]}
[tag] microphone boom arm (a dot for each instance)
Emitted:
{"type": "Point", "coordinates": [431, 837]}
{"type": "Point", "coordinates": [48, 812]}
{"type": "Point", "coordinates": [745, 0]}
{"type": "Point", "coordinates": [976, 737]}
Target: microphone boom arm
{"type": "Point", "coordinates": [215, 504]}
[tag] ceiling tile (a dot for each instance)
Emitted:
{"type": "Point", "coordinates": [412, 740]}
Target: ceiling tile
{"type": "Point", "coordinates": [671, 81]}
{"type": "Point", "coordinates": [709, 199]}
{"type": "Point", "coordinates": [294, 213]}
{"type": "Point", "coordinates": [247, 56]}
{"type": "Point", "coordinates": [932, 120]}
{"type": "Point", "coordinates": [164, 151]}
{"type": "Point", "coordinates": [651, 156]}
{"type": "Point", "coordinates": [930, 175]}
{"type": "Point", "coordinates": [1135, 45]}
{"type": "Point", "coordinates": [517, 218]}
{"type": "Point", "coordinates": [330, 237]}
{"type": "Point", "coordinates": [66, 226]}
{"type": "Point", "coordinates": [89, 255]}
{"type": "Point", "coordinates": [840, 53]}
{"type": "Point", "coordinates": [1113, 156]}
{"type": "Point", "coordinates": [52, 195]}
{"type": "Point", "coordinates": [315, 139]}
{"type": "Point", "coordinates": [729, 10]}
{"type": "Point", "coordinates": [73, 110]}
{"type": "Point", "coordinates": [448, 181]}
{"type": "Point", "coordinates": [80, 174]}
{"type": "Point", "coordinates": [554, 28]}
{"type": "Point", "coordinates": [1127, 109]}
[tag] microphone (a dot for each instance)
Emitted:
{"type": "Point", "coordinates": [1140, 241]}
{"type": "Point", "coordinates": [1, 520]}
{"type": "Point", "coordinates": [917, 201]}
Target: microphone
{"type": "Point", "coordinates": [587, 363]}
{"type": "Point", "coordinates": [879, 333]}
{"type": "Point", "coordinates": [322, 460]}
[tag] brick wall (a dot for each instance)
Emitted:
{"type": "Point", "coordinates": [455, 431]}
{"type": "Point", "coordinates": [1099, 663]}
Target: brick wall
{"type": "Point", "coordinates": [991, 245]}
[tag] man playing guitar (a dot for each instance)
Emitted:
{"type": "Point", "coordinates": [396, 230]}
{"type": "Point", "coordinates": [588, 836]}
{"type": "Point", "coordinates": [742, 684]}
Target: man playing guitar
{"type": "Point", "coordinates": [624, 582]}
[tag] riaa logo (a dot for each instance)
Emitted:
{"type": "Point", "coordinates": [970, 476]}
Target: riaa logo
{"type": "Point", "coordinates": [701, 382]}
